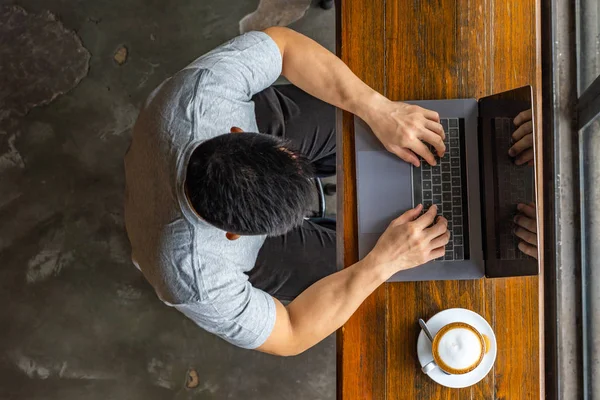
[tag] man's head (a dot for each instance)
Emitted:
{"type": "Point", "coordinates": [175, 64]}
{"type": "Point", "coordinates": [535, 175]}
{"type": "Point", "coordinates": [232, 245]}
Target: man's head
{"type": "Point", "coordinates": [249, 184]}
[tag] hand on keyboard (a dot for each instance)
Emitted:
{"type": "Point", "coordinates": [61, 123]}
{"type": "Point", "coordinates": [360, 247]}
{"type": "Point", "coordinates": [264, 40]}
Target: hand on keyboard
{"type": "Point", "coordinates": [411, 240]}
{"type": "Point", "coordinates": [526, 229]}
{"type": "Point", "coordinates": [443, 185]}
{"type": "Point", "coordinates": [405, 130]}
{"type": "Point", "coordinates": [523, 138]}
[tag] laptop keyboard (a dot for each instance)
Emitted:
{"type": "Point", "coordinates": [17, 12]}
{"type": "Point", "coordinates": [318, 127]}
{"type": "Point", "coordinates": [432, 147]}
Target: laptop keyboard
{"type": "Point", "coordinates": [514, 186]}
{"type": "Point", "coordinates": [444, 185]}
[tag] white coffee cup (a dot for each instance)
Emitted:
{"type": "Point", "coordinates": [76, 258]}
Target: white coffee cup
{"type": "Point", "coordinates": [458, 348]}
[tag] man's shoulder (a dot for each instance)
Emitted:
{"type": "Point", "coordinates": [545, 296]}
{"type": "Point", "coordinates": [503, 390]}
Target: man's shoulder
{"type": "Point", "coordinates": [207, 260]}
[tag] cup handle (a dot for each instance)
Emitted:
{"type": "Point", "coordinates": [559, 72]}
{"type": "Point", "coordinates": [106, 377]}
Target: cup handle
{"type": "Point", "coordinates": [430, 366]}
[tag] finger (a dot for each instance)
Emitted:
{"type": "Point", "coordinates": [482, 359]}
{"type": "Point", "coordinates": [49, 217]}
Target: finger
{"type": "Point", "coordinates": [528, 249]}
{"type": "Point", "coordinates": [526, 223]}
{"type": "Point", "coordinates": [527, 209]}
{"type": "Point", "coordinates": [441, 241]}
{"type": "Point", "coordinates": [409, 215]}
{"type": "Point", "coordinates": [419, 148]}
{"type": "Point", "coordinates": [406, 155]}
{"type": "Point", "coordinates": [437, 229]}
{"type": "Point", "coordinates": [527, 236]}
{"type": "Point", "coordinates": [437, 252]}
{"type": "Point", "coordinates": [522, 117]}
{"type": "Point", "coordinates": [523, 130]}
{"type": "Point", "coordinates": [435, 140]}
{"type": "Point", "coordinates": [523, 144]}
{"type": "Point", "coordinates": [430, 115]}
{"type": "Point", "coordinates": [524, 157]}
{"type": "Point", "coordinates": [530, 163]}
{"type": "Point", "coordinates": [436, 128]}
{"type": "Point", "coordinates": [426, 219]}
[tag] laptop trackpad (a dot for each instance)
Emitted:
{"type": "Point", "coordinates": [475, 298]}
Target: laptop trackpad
{"type": "Point", "coordinates": [384, 189]}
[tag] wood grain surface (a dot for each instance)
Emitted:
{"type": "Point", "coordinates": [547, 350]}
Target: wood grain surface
{"type": "Point", "coordinates": [437, 49]}
{"type": "Point", "coordinates": [359, 343]}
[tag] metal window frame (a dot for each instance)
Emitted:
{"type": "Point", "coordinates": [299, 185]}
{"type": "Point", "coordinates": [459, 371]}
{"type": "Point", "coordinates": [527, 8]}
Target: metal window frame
{"type": "Point", "coordinates": [588, 109]}
{"type": "Point", "coordinates": [588, 106]}
{"type": "Point", "coordinates": [565, 114]}
{"type": "Point", "coordinates": [562, 270]}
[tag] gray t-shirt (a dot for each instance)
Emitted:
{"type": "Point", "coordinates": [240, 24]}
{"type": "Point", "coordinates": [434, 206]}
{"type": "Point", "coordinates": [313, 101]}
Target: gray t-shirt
{"type": "Point", "coordinates": [191, 264]}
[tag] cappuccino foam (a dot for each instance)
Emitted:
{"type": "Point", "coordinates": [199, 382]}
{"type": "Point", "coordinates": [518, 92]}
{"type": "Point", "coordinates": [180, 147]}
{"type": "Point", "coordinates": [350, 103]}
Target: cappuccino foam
{"type": "Point", "coordinates": [459, 348]}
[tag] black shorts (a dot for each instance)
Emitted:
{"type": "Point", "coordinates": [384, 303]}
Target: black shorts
{"type": "Point", "coordinates": [288, 264]}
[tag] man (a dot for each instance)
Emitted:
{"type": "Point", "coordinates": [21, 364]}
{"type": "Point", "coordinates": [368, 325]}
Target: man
{"type": "Point", "coordinates": [214, 211]}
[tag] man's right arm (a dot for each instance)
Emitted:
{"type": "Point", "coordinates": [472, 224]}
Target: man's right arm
{"type": "Point", "coordinates": [409, 241]}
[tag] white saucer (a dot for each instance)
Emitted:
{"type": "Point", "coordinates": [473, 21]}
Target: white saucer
{"type": "Point", "coordinates": [434, 324]}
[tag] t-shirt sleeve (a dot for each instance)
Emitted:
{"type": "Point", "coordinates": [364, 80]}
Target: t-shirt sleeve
{"type": "Point", "coordinates": [242, 315]}
{"type": "Point", "coordinates": [243, 66]}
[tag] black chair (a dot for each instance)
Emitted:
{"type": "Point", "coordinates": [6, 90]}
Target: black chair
{"type": "Point", "coordinates": [323, 190]}
{"type": "Point", "coordinates": [324, 168]}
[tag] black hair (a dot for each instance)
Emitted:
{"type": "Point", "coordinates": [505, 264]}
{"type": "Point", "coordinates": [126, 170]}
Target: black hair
{"type": "Point", "coordinates": [249, 184]}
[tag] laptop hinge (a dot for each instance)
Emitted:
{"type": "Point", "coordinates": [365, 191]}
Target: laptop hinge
{"type": "Point", "coordinates": [481, 180]}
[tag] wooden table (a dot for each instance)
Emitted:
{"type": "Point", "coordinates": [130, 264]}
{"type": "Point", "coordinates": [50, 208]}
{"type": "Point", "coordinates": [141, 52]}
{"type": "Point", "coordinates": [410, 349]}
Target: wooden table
{"type": "Point", "coordinates": [438, 49]}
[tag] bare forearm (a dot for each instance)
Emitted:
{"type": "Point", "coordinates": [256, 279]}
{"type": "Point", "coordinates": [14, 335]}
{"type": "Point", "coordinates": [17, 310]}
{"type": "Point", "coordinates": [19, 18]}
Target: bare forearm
{"type": "Point", "coordinates": [320, 73]}
{"type": "Point", "coordinates": [410, 240]}
{"type": "Point", "coordinates": [327, 304]}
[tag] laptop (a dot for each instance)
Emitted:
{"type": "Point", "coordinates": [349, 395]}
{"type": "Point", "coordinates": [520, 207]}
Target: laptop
{"type": "Point", "coordinates": [476, 186]}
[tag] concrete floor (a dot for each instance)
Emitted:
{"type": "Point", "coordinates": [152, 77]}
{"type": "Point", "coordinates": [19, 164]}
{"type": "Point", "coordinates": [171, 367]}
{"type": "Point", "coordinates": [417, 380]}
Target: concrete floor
{"type": "Point", "coordinates": [78, 321]}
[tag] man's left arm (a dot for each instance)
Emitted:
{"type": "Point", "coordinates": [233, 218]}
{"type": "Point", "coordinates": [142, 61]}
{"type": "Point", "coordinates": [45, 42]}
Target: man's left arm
{"type": "Point", "coordinates": [402, 128]}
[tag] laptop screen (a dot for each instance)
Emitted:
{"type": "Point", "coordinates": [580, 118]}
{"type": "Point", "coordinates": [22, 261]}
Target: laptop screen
{"type": "Point", "coordinates": [508, 179]}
